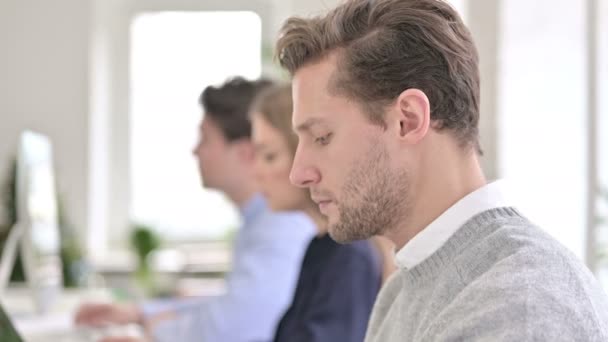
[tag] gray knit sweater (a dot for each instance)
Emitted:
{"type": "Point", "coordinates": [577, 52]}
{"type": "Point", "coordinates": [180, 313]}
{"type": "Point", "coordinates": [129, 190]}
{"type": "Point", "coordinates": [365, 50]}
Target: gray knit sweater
{"type": "Point", "coordinates": [498, 278]}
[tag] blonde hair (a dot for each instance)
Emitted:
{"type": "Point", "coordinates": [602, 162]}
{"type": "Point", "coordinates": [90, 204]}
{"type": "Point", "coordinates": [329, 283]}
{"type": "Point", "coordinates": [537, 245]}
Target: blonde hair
{"type": "Point", "coordinates": [275, 105]}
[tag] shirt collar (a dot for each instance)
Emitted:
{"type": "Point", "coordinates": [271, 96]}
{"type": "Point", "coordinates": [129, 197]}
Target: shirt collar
{"type": "Point", "coordinates": [431, 238]}
{"type": "Point", "coordinates": [252, 208]}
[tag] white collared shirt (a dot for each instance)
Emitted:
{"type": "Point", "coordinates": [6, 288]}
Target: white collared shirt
{"type": "Point", "coordinates": [431, 238]}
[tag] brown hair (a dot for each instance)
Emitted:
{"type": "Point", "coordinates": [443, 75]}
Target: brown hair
{"type": "Point", "coordinates": [387, 46]}
{"type": "Point", "coordinates": [275, 106]}
{"type": "Point", "coordinates": [228, 105]}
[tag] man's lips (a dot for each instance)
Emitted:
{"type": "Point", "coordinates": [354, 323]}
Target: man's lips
{"type": "Point", "coordinates": [323, 203]}
{"type": "Point", "coordinates": [319, 199]}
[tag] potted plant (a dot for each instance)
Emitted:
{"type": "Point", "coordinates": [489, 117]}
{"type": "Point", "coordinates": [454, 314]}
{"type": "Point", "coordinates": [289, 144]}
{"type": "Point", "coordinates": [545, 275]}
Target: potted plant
{"type": "Point", "coordinates": [144, 241]}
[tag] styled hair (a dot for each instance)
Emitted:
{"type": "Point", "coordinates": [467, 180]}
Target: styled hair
{"type": "Point", "coordinates": [228, 105]}
{"type": "Point", "coordinates": [384, 47]}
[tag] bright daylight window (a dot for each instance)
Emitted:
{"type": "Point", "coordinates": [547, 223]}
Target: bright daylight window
{"type": "Point", "coordinates": [174, 56]}
{"type": "Point", "coordinates": [543, 114]}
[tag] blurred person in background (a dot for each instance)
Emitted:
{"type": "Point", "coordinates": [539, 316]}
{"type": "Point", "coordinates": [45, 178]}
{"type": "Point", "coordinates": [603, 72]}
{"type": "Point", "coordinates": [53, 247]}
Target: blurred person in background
{"type": "Point", "coordinates": [338, 283]}
{"type": "Point", "coordinates": [269, 247]}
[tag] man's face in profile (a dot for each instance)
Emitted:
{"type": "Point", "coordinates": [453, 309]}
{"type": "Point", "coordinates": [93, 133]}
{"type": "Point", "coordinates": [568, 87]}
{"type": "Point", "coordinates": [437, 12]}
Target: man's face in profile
{"type": "Point", "coordinates": [215, 155]}
{"type": "Point", "coordinates": [343, 159]}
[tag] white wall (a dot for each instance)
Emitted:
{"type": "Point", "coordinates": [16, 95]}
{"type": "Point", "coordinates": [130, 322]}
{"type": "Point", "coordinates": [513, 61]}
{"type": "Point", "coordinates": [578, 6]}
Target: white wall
{"type": "Point", "coordinates": [44, 86]}
{"type": "Point", "coordinates": [484, 23]}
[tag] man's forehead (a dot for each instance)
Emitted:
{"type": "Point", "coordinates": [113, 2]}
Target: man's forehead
{"type": "Point", "coordinates": [313, 99]}
{"type": "Point", "coordinates": [310, 108]}
{"type": "Point", "coordinates": [311, 82]}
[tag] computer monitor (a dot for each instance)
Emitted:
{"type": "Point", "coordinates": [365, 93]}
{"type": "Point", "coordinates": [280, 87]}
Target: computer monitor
{"type": "Point", "coordinates": [36, 230]}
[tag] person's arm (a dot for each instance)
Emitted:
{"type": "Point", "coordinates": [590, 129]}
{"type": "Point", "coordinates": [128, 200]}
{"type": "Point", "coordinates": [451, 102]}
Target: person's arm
{"type": "Point", "coordinates": [505, 305]}
{"type": "Point", "coordinates": [101, 314]}
{"type": "Point", "coordinates": [155, 307]}
{"type": "Point", "coordinates": [259, 288]}
{"type": "Point", "coordinates": [511, 320]}
{"type": "Point", "coordinates": [123, 339]}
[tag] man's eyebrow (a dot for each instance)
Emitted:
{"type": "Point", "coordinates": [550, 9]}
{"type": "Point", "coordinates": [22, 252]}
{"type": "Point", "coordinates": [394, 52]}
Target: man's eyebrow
{"type": "Point", "coordinates": [306, 125]}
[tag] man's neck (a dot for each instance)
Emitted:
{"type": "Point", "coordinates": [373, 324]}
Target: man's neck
{"type": "Point", "coordinates": [434, 193]}
{"type": "Point", "coordinates": [240, 195]}
{"type": "Point", "coordinates": [319, 220]}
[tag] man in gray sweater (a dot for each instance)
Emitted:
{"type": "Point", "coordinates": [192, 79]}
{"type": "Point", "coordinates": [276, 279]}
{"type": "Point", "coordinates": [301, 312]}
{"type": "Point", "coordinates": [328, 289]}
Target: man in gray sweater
{"type": "Point", "coordinates": [386, 108]}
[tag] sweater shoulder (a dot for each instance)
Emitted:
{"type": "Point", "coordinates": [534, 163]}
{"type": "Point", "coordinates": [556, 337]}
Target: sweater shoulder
{"type": "Point", "coordinates": [517, 245]}
{"type": "Point", "coordinates": [522, 271]}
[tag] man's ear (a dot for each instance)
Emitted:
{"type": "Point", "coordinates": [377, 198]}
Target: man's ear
{"type": "Point", "coordinates": [245, 150]}
{"type": "Point", "coordinates": [411, 113]}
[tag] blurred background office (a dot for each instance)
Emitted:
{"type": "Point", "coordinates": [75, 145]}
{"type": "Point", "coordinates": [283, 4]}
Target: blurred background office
{"type": "Point", "coordinates": [114, 85]}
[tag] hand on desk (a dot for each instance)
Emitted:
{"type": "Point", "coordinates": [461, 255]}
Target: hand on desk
{"type": "Point", "coordinates": [122, 339]}
{"type": "Point", "coordinates": [106, 314]}
{"type": "Point", "coordinates": [100, 315]}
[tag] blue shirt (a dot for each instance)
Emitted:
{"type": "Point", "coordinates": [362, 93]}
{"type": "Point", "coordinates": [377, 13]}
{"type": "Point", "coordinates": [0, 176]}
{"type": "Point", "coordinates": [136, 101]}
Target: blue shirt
{"type": "Point", "coordinates": [268, 253]}
{"type": "Point", "coordinates": [336, 292]}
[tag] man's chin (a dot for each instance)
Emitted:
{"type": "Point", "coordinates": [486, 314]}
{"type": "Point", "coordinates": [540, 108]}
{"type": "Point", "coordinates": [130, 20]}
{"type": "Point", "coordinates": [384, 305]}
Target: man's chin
{"type": "Point", "coordinates": [207, 185]}
{"type": "Point", "coordinates": [343, 236]}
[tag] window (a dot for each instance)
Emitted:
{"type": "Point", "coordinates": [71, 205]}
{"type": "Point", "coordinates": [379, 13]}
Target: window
{"type": "Point", "coordinates": [174, 56]}
{"type": "Point", "coordinates": [542, 106]}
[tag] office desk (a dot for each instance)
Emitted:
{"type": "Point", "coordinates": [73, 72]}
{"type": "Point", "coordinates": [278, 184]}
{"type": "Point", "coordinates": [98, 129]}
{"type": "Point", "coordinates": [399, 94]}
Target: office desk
{"type": "Point", "coordinates": [58, 323]}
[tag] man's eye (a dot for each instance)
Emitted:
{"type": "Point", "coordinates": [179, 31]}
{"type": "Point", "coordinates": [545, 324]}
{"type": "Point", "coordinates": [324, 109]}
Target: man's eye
{"type": "Point", "coordinates": [324, 140]}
